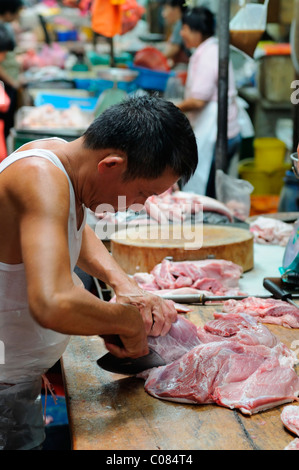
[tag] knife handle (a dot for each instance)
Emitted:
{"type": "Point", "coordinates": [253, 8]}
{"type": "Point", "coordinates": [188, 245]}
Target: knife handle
{"type": "Point", "coordinates": [273, 285]}
{"type": "Point", "coordinates": [113, 339]}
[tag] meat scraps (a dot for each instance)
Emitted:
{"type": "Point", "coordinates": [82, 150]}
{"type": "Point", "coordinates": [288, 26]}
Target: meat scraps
{"type": "Point", "coordinates": [294, 445]}
{"type": "Point", "coordinates": [216, 277]}
{"type": "Point", "coordinates": [290, 418]}
{"type": "Point", "coordinates": [275, 311]}
{"type": "Point", "coordinates": [267, 230]}
{"type": "Point", "coordinates": [244, 368]}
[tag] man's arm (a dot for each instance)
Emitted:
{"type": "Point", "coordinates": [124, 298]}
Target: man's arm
{"type": "Point", "coordinates": [40, 192]}
{"type": "Point", "coordinates": [158, 314]}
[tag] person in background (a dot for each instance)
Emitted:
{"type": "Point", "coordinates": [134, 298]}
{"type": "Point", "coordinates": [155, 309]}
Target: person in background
{"type": "Point", "coordinates": [9, 68]}
{"type": "Point", "coordinates": [6, 45]}
{"type": "Point", "coordinates": [175, 50]}
{"type": "Point", "coordinates": [201, 97]}
{"type": "Point", "coordinates": [46, 187]}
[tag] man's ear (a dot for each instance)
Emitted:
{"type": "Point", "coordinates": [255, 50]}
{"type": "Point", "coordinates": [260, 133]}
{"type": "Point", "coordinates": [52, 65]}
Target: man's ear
{"type": "Point", "coordinates": [111, 161]}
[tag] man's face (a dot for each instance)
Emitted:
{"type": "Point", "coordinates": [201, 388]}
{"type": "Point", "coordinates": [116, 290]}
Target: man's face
{"type": "Point", "coordinates": [122, 194]}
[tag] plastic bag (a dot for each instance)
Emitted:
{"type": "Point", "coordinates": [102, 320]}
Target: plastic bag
{"type": "Point", "coordinates": [248, 26]}
{"type": "Point", "coordinates": [151, 58]}
{"type": "Point", "coordinates": [131, 14]}
{"type": "Point", "coordinates": [234, 193]}
{"type": "Point", "coordinates": [21, 417]}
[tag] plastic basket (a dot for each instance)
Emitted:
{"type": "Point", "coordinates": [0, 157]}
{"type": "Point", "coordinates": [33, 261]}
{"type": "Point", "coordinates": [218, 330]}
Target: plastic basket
{"type": "Point", "coordinates": [151, 79]}
{"type": "Point", "coordinates": [262, 181]}
{"type": "Point", "coordinates": [269, 153]}
{"type": "Point", "coordinates": [98, 85]}
{"type": "Point", "coordinates": [65, 102]}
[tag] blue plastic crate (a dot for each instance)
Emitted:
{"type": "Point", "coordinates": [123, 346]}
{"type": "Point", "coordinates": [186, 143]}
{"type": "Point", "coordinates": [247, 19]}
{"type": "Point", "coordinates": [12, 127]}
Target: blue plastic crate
{"type": "Point", "coordinates": [98, 85]}
{"type": "Point", "coordinates": [152, 79]}
{"type": "Point", "coordinates": [65, 102]}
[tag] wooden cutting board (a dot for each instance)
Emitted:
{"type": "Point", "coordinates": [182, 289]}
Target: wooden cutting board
{"type": "Point", "coordinates": [139, 250]}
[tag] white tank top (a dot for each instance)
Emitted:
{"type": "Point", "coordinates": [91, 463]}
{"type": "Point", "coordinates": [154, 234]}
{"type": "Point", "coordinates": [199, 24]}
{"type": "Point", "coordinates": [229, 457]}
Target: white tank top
{"type": "Point", "coordinates": [29, 349]}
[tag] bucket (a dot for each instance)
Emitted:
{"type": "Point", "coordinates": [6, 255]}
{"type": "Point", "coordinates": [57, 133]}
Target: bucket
{"type": "Point", "coordinates": [264, 182]}
{"type": "Point", "coordinates": [269, 153]}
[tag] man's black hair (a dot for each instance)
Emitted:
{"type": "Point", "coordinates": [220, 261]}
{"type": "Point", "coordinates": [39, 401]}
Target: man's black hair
{"type": "Point", "coordinates": [10, 6]}
{"type": "Point", "coordinates": [200, 19]}
{"type": "Point", "coordinates": [154, 134]}
{"type": "Point", "coordinates": [7, 42]}
{"type": "Point", "coordinates": [177, 3]}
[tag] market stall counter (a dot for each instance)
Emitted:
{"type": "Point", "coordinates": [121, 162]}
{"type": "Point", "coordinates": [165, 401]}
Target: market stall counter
{"type": "Point", "coordinates": [109, 411]}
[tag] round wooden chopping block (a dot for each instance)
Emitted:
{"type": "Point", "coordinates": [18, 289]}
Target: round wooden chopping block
{"type": "Point", "coordinates": [140, 249]}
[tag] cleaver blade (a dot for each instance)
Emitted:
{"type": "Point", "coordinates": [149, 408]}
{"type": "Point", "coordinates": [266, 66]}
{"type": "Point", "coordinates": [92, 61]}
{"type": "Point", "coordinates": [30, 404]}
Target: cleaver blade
{"type": "Point", "coordinates": [129, 366]}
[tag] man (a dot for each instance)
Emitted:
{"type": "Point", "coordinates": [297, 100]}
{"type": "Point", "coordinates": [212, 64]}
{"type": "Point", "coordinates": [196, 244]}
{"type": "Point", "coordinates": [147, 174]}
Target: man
{"type": "Point", "coordinates": [135, 149]}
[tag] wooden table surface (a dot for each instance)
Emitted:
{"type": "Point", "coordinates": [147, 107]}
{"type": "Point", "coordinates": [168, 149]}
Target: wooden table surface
{"type": "Point", "coordinates": [113, 412]}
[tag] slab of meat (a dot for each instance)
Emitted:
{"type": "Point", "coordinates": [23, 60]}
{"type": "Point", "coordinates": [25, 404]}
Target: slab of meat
{"type": "Point", "coordinates": [273, 311]}
{"type": "Point", "coordinates": [236, 365]}
{"type": "Point", "coordinates": [290, 418]}
{"type": "Point", "coordinates": [267, 230]}
{"type": "Point", "coordinates": [241, 328]}
{"type": "Point", "coordinates": [294, 445]}
{"type": "Point", "coordinates": [181, 337]}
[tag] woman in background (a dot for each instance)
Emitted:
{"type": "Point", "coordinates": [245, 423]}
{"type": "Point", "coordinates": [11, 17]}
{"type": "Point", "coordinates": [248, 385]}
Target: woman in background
{"type": "Point", "coordinates": [172, 13]}
{"type": "Point", "coordinates": [201, 97]}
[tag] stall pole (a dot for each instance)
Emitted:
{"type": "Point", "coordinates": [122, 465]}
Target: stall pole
{"type": "Point", "coordinates": [223, 35]}
{"type": "Point", "coordinates": [295, 57]}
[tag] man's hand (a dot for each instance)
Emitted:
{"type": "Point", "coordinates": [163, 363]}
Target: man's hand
{"type": "Point", "coordinates": [132, 344]}
{"type": "Point", "coordinates": [158, 314]}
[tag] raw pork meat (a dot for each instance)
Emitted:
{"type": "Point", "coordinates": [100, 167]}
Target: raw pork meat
{"type": "Point", "coordinates": [241, 328]}
{"type": "Point", "coordinates": [290, 418]}
{"type": "Point", "coordinates": [267, 230]}
{"type": "Point", "coordinates": [218, 277]}
{"type": "Point", "coordinates": [243, 368]}
{"type": "Point", "coordinates": [294, 445]}
{"type": "Point", "coordinates": [270, 310]}
{"type": "Point", "coordinates": [178, 206]}
{"type": "Point", "coordinates": [181, 337]}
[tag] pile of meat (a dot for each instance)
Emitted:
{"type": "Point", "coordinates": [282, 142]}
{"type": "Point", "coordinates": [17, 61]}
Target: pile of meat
{"type": "Point", "coordinates": [178, 206]}
{"type": "Point", "coordinates": [170, 207]}
{"type": "Point", "coordinates": [49, 117]}
{"type": "Point", "coordinates": [267, 230]}
{"type": "Point", "coordinates": [290, 419]}
{"type": "Point", "coordinates": [209, 276]}
{"type": "Point", "coordinates": [232, 361]}
{"type": "Point", "coordinates": [275, 311]}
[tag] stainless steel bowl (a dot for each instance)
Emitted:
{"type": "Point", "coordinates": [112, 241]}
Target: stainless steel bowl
{"type": "Point", "coordinates": [115, 74]}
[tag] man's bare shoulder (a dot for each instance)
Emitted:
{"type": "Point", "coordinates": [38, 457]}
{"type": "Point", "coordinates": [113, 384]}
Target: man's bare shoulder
{"type": "Point", "coordinates": [33, 179]}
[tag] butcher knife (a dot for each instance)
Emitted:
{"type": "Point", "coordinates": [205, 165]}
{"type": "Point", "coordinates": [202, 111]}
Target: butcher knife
{"type": "Point", "coordinates": [275, 285]}
{"type": "Point", "coordinates": [202, 298]}
{"type": "Point", "coordinates": [128, 365]}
